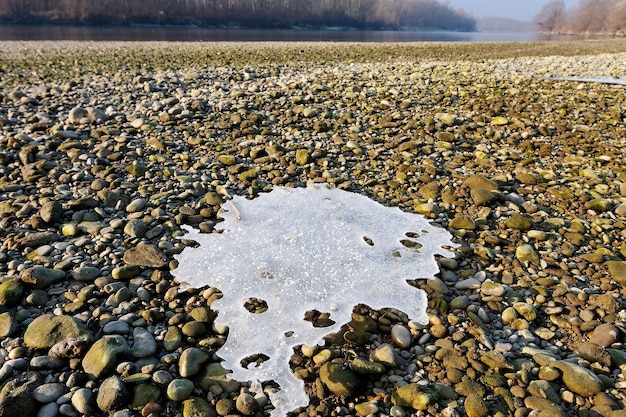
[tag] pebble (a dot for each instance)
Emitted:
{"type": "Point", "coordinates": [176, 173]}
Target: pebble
{"type": "Point", "coordinates": [48, 393]}
{"type": "Point", "coordinates": [386, 355]}
{"type": "Point", "coordinates": [179, 389]}
{"type": "Point", "coordinates": [604, 335]}
{"type": "Point", "coordinates": [401, 336]}
{"type": "Point", "coordinates": [143, 343]}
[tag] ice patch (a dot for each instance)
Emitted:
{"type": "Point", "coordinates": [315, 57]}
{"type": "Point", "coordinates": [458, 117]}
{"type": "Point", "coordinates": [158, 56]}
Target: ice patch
{"type": "Point", "coordinates": [302, 249]}
{"type": "Point", "coordinates": [602, 80]}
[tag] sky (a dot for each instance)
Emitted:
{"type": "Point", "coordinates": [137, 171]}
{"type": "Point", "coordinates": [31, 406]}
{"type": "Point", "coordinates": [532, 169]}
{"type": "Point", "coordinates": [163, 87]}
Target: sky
{"type": "Point", "coordinates": [520, 10]}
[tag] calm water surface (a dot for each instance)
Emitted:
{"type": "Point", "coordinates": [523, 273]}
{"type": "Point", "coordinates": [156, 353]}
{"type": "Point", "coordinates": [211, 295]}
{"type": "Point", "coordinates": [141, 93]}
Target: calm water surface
{"type": "Point", "coordinates": [182, 34]}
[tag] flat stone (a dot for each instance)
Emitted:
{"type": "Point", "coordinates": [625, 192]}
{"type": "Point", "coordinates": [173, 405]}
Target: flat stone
{"type": "Point", "coordinates": [462, 221]}
{"type": "Point", "coordinates": [545, 390]}
{"type": "Point", "coordinates": [112, 394]}
{"type": "Point", "coordinates": [491, 288]}
{"type": "Point", "coordinates": [482, 197]}
{"type": "Point", "coordinates": [386, 355]}
{"type": "Point", "coordinates": [594, 352]}
{"type": "Point", "coordinates": [47, 330]}
{"type": "Point", "coordinates": [16, 396]}
{"type": "Point", "coordinates": [136, 228]}
{"type": "Point", "coordinates": [51, 212]}
{"type": "Point", "coordinates": [617, 271]}
{"type": "Point", "coordinates": [363, 366]}
{"type": "Point", "coordinates": [144, 344]}
{"type": "Point", "coordinates": [145, 254]}
{"type": "Point", "coordinates": [36, 239]}
{"type": "Point", "coordinates": [598, 204]}
{"type": "Point", "coordinates": [86, 273]}
{"type": "Point", "coordinates": [519, 222]}
{"type": "Point", "coordinates": [41, 277]}
{"type": "Point", "coordinates": [579, 380]}
{"type": "Point", "coordinates": [136, 205]}
{"type": "Point", "coordinates": [70, 348]}
{"type": "Point", "coordinates": [116, 327]}
{"type": "Point", "coordinates": [526, 253]}
{"type": "Point", "coordinates": [604, 335]}
{"type": "Point", "coordinates": [196, 407]}
{"type": "Point", "coordinates": [48, 393]}
{"type": "Point", "coordinates": [479, 181]}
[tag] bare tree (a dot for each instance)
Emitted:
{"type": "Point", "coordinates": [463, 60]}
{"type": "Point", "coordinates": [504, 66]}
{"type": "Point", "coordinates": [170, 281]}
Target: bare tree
{"type": "Point", "coordinates": [616, 23]}
{"type": "Point", "coordinates": [551, 18]}
{"type": "Point", "coordinates": [357, 13]}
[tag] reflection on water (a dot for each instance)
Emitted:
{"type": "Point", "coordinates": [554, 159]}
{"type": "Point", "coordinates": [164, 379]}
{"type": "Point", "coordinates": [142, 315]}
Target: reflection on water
{"type": "Point", "coordinates": [184, 34]}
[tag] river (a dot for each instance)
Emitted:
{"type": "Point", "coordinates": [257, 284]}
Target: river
{"type": "Point", "coordinates": [193, 34]}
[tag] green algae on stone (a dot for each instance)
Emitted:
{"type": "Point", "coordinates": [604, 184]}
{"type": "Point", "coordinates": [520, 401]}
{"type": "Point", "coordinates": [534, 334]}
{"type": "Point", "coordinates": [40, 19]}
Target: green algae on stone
{"type": "Point", "coordinates": [526, 253]}
{"type": "Point", "coordinates": [462, 221]}
{"type": "Point", "coordinates": [11, 293]}
{"type": "Point", "coordinates": [339, 380]}
{"type": "Point", "coordinates": [598, 204]}
{"type": "Point", "coordinates": [415, 396]}
{"type": "Point", "coordinates": [578, 379]}
{"type": "Point", "coordinates": [8, 325]}
{"type": "Point", "coordinates": [125, 272]}
{"type": "Point", "coordinates": [475, 406]}
{"type": "Point", "coordinates": [104, 355]}
{"type": "Point", "coordinates": [16, 396]}
{"type": "Point", "coordinates": [363, 366]}
{"type": "Point", "coordinates": [227, 159]}
{"type": "Point", "coordinates": [47, 330]}
{"type": "Point", "coordinates": [143, 394]}
{"type": "Point", "coordinates": [499, 121]}
{"type": "Point", "coordinates": [198, 407]}
{"type": "Point", "coordinates": [519, 222]}
{"type": "Point", "coordinates": [137, 170]}
{"type": "Point", "coordinates": [303, 157]}
{"type": "Point", "coordinates": [617, 271]}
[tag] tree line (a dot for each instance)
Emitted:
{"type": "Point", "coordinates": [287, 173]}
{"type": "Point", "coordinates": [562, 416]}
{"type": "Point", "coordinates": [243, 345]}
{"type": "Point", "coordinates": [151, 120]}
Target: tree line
{"type": "Point", "coordinates": [247, 13]}
{"type": "Point", "coordinates": [606, 17]}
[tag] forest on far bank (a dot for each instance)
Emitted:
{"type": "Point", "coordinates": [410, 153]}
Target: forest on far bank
{"type": "Point", "coordinates": [361, 14]}
{"type": "Point", "coordinates": [602, 17]}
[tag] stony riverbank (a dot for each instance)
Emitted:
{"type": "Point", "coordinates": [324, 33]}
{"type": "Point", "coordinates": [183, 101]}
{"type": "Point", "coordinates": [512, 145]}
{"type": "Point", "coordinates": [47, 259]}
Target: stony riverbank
{"type": "Point", "coordinates": [107, 149]}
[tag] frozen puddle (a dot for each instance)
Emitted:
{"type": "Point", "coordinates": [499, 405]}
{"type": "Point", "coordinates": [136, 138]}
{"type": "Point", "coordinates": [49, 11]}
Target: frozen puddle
{"type": "Point", "coordinates": [301, 249]}
{"type": "Point", "coordinates": [603, 80]}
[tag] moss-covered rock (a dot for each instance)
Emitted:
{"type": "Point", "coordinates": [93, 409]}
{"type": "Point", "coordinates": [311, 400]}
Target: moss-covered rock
{"type": "Point", "coordinates": [414, 396]}
{"type": "Point", "coordinates": [104, 355]}
{"type": "Point", "coordinates": [47, 330]}
{"type": "Point", "coordinates": [339, 380]}
{"type": "Point", "coordinates": [617, 271]}
{"type": "Point", "coordinates": [11, 293]}
{"type": "Point", "coordinates": [482, 197]}
{"type": "Point", "coordinates": [462, 221]}
{"type": "Point", "coordinates": [519, 222]}
{"type": "Point", "coordinates": [478, 181]}
{"type": "Point", "coordinates": [16, 396]}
